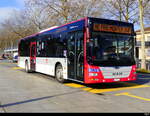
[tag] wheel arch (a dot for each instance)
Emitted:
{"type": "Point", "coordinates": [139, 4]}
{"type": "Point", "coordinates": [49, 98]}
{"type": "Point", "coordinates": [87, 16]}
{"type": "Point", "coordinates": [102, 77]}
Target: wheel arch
{"type": "Point", "coordinates": [26, 60]}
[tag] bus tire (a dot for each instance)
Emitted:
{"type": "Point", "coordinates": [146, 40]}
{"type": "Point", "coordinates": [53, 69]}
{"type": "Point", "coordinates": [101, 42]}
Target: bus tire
{"type": "Point", "coordinates": [59, 74]}
{"type": "Point", "coordinates": [27, 67]}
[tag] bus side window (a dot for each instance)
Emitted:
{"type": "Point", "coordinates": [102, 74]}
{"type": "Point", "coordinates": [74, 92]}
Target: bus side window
{"type": "Point", "coordinates": [61, 45]}
{"type": "Point", "coordinates": [71, 42]}
{"type": "Point", "coordinates": [51, 52]}
{"type": "Point", "coordinates": [38, 49]}
{"type": "Point", "coordinates": [79, 38]}
{"type": "Point", "coordinates": [59, 50]}
{"type": "Point", "coordinates": [71, 46]}
{"type": "Point", "coordinates": [49, 45]}
{"type": "Point", "coordinates": [23, 49]}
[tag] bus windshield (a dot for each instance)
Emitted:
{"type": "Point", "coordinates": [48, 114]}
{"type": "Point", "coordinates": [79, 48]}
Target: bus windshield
{"type": "Point", "coordinates": [107, 49]}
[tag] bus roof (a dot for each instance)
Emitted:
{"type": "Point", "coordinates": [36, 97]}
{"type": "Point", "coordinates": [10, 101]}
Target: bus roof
{"type": "Point", "coordinates": [90, 18]}
{"type": "Point", "coordinates": [53, 27]}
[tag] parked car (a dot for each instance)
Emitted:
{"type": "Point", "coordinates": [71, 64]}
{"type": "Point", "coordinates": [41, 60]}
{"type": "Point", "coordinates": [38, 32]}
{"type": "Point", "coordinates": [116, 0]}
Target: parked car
{"type": "Point", "coordinates": [15, 57]}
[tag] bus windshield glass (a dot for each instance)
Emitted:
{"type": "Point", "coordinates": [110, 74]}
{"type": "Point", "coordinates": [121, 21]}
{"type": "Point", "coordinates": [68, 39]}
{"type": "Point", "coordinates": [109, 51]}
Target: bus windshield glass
{"type": "Point", "coordinates": [108, 49]}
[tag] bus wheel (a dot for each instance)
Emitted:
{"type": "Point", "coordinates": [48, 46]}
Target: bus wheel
{"type": "Point", "coordinates": [27, 67]}
{"type": "Point", "coordinates": [59, 74]}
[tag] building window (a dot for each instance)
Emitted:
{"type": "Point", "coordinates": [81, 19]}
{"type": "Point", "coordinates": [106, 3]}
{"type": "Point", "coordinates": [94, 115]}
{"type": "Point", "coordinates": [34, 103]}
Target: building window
{"type": "Point", "coordinates": [148, 38]}
{"type": "Point", "coordinates": [148, 52]}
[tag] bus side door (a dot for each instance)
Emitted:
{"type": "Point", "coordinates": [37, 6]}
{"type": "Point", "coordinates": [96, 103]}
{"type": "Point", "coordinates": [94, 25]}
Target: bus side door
{"type": "Point", "coordinates": [33, 56]}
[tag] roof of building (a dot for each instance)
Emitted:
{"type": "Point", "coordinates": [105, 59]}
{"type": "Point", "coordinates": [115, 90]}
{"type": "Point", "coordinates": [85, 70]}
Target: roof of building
{"type": "Point", "coordinates": [147, 29]}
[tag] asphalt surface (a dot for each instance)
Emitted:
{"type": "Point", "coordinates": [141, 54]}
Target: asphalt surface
{"type": "Point", "coordinates": [35, 92]}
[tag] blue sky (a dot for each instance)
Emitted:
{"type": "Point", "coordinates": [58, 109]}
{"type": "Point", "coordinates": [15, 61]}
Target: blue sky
{"type": "Point", "coordinates": [7, 6]}
{"type": "Point", "coordinates": [8, 3]}
{"type": "Point", "coordinates": [11, 3]}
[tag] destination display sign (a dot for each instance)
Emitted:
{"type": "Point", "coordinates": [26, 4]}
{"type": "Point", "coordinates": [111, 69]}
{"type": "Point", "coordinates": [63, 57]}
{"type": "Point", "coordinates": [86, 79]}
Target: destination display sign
{"type": "Point", "coordinates": [112, 28]}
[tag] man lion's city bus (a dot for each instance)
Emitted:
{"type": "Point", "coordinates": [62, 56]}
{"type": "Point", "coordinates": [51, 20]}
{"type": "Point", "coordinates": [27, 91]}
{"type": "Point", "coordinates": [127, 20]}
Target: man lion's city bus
{"type": "Point", "coordinates": [89, 50]}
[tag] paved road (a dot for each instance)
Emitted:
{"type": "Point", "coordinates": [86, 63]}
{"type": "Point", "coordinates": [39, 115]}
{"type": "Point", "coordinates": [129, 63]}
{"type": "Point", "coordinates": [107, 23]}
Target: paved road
{"type": "Point", "coordinates": [34, 92]}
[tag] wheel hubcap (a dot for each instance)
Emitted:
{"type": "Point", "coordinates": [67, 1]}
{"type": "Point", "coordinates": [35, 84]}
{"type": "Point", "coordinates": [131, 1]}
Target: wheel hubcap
{"type": "Point", "coordinates": [59, 74]}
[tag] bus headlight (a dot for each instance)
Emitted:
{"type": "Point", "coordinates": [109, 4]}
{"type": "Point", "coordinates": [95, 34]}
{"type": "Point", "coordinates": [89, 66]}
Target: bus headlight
{"type": "Point", "coordinates": [94, 70]}
{"type": "Point", "coordinates": [93, 74]}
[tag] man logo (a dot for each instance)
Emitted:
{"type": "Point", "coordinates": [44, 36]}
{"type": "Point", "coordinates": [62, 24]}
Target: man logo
{"type": "Point", "coordinates": [117, 73]}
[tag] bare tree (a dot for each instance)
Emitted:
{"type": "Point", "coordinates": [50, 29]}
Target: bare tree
{"type": "Point", "coordinates": [37, 15]}
{"type": "Point", "coordinates": [147, 12]}
{"type": "Point", "coordinates": [63, 11]}
{"type": "Point", "coordinates": [40, 14]}
{"type": "Point", "coordinates": [15, 27]}
{"type": "Point", "coordinates": [123, 10]}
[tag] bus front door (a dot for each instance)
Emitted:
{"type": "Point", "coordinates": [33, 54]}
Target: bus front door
{"type": "Point", "coordinates": [75, 55]}
{"type": "Point", "coordinates": [33, 56]}
{"type": "Point", "coordinates": [71, 56]}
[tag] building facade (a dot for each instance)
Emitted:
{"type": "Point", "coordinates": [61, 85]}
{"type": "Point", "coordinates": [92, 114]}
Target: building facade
{"type": "Point", "coordinates": [147, 44]}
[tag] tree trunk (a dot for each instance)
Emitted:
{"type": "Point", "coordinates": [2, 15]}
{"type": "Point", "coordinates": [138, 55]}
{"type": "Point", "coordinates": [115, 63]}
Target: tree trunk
{"type": "Point", "coordinates": [143, 61]}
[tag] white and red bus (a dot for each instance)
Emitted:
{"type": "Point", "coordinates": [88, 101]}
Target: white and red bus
{"type": "Point", "coordinates": [89, 50]}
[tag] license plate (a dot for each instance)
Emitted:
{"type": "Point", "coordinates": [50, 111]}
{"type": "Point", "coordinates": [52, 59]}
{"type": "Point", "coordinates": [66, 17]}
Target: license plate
{"type": "Point", "coordinates": [116, 79]}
